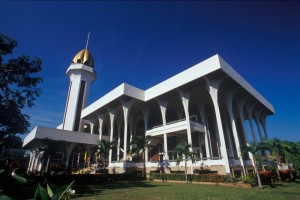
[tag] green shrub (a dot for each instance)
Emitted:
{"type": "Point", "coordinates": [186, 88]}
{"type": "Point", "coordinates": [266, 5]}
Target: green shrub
{"type": "Point", "coordinates": [248, 179]}
{"type": "Point", "coordinates": [51, 193]}
{"type": "Point", "coordinates": [285, 174]}
{"type": "Point", "coordinates": [196, 177]}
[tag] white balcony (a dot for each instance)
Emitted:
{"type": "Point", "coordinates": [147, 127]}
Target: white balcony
{"type": "Point", "coordinates": [247, 162]}
{"type": "Point", "coordinates": [175, 126]}
{"type": "Point", "coordinates": [234, 162]}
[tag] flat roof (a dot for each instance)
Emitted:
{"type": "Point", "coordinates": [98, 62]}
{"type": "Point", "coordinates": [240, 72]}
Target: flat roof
{"type": "Point", "coordinates": [199, 70]}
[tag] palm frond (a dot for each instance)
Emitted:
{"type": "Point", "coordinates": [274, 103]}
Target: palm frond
{"type": "Point", "coordinates": [20, 179]}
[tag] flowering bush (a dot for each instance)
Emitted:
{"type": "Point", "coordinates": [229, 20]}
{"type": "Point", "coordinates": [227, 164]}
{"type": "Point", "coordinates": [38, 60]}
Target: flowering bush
{"type": "Point", "coordinates": [285, 175]}
{"type": "Point", "coordinates": [267, 177]}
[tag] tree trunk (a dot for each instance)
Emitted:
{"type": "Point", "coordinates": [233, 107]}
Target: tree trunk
{"type": "Point", "coordinates": [144, 163]}
{"type": "Point", "coordinates": [257, 174]}
{"type": "Point", "coordinates": [277, 171]}
{"type": "Point", "coordinates": [185, 169]}
{"type": "Point", "coordinates": [291, 174]}
{"type": "Point", "coordinates": [47, 165]}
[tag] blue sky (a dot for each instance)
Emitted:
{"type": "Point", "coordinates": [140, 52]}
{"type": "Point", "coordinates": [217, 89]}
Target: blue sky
{"type": "Point", "coordinates": [144, 43]}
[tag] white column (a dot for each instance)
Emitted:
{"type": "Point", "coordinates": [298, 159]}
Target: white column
{"type": "Point", "coordinates": [100, 118]}
{"type": "Point", "coordinates": [39, 165]}
{"type": "Point", "coordinates": [256, 119]}
{"type": "Point", "coordinates": [145, 114]}
{"type": "Point", "coordinates": [125, 136]}
{"type": "Point", "coordinates": [249, 109]}
{"type": "Point", "coordinates": [185, 103]}
{"type": "Point", "coordinates": [92, 127]}
{"type": "Point", "coordinates": [131, 134]}
{"type": "Point", "coordinates": [163, 108]}
{"type": "Point", "coordinates": [35, 161]}
{"type": "Point", "coordinates": [234, 129]}
{"type": "Point", "coordinates": [29, 169]}
{"type": "Point", "coordinates": [125, 106]}
{"type": "Point", "coordinates": [213, 87]}
{"type": "Point", "coordinates": [263, 123]}
{"type": "Point", "coordinates": [228, 133]}
{"type": "Point", "coordinates": [111, 117]}
{"type": "Point", "coordinates": [242, 120]}
{"type": "Point", "coordinates": [207, 141]}
{"type": "Point", "coordinates": [118, 141]}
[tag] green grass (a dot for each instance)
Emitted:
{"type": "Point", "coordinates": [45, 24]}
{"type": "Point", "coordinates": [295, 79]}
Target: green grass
{"type": "Point", "coordinates": [161, 190]}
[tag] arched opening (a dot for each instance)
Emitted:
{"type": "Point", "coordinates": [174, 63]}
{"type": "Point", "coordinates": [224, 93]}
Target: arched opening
{"type": "Point", "coordinates": [118, 135]}
{"type": "Point", "coordinates": [154, 116]}
{"type": "Point", "coordinates": [58, 158]}
{"type": "Point", "coordinates": [137, 122]}
{"type": "Point", "coordinates": [198, 97]}
{"type": "Point", "coordinates": [212, 130]}
{"type": "Point", "coordinates": [77, 156]}
{"type": "Point", "coordinates": [86, 128]}
{"type": "Point", "coordinates": [194, 112]}
{"type": "Point", "coordinates": [106, 125]}
{"type": "Point", "coordinates": [174, 110]}
{"type": "Point", "coordinates": [116, 138]}
{"type": "Point", "coordinates": [96, 127]}
{"type": "Point", "coordinates": [140, 127]}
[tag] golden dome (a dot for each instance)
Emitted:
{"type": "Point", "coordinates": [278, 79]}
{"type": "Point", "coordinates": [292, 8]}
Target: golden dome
{"type": "Point", "coordinates": [84, 57]}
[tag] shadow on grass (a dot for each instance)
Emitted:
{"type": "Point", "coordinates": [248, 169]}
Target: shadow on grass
{"type": "Point", "coordinates": [297, 182]}
{"type": "Point", "coordinates": [19, 191]}
{"type": "Point", "coordinates": [84, 190]}
{"type": "Point", "coordinates": [281, 185]}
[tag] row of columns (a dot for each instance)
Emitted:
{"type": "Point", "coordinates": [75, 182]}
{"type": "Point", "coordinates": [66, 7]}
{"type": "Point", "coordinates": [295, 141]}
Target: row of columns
{"type": "Point", "coordinates": [37, 161]}
{"type": "Point", "coordinates": [212, 87]}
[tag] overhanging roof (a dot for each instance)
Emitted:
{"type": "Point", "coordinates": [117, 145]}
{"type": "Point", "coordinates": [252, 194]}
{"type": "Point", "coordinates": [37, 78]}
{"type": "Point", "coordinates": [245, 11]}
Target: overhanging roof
{"type": "Point", "coordinates": [199, 70]}
{"type": "Point", "coordinates": [60, 135]}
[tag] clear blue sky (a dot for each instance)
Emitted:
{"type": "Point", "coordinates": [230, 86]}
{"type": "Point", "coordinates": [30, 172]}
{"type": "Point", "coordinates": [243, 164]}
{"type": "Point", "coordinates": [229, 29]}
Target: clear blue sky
{"type": "Point", "coordinates": [144, 43]}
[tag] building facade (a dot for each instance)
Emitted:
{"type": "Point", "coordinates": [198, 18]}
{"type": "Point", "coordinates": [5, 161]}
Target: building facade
{"type": "Point", "coordinates": [205, 106]}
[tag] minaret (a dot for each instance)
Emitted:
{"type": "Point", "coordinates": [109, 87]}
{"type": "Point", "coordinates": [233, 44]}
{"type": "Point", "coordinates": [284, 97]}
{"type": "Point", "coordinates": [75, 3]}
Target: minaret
{"type": "Point", "coordinates": [81, 73]}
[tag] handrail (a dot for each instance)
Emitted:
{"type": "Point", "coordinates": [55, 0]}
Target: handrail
{"type": "Point", "coordinates": [173, 122]}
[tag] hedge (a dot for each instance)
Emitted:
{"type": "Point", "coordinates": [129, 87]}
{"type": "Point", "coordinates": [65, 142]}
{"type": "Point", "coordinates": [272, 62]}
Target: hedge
{"type": "Point", "coordinates": [195, 177]}
{"type": "Point", "coordinates": [268, 177]}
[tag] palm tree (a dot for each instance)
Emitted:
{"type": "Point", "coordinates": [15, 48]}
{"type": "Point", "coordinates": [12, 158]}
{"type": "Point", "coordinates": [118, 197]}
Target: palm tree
{"type": "Point", "coordinates": [291, 153]}
{"type": "Point", "coordinates": [294, 155]}
{"type": "Point", "coordinates": [140, 144]}
{"type": "Point", "coordinates": [102, 153]}
{"type": "Point", "coordinates": [184, 154]}
{"type": "Point", "coordinates": [254, 148]}
{"type": "Point", "coordinates": [277, 149]}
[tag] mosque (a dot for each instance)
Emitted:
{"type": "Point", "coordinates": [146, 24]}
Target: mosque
{"type": "Point", "coordinates": [206, 105]}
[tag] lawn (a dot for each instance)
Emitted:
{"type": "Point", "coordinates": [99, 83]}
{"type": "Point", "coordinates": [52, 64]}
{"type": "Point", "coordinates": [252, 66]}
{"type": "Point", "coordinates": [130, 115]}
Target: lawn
{"type": "Point", "coordinates": [161, 190]}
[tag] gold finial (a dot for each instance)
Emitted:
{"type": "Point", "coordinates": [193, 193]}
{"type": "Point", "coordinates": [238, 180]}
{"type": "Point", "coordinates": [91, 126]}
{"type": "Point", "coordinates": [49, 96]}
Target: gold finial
{"type": "Point", "coordinates": [87, 41]}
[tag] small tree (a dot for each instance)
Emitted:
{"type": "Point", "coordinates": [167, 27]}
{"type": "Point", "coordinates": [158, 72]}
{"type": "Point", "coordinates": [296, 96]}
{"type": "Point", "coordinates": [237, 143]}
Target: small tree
{"type": "Point", "coordinates": [102, 153]}
{"type": "Point", "coordinates": [291, 153]}
{"type": "Point", "coordinates": [18, 88]}
{"type": "Point", "coordinates": [254, 148]}
{"type": "Point", "coordinates": [140, 144]}
{"type": "Point", "coordinates": [184, 154]}
{"type": "Point", "coordinates": [277, 149]}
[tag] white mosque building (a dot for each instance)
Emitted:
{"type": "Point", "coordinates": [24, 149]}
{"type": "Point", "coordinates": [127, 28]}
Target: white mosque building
{"type": "Point", "coordinates": [206, 106]}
